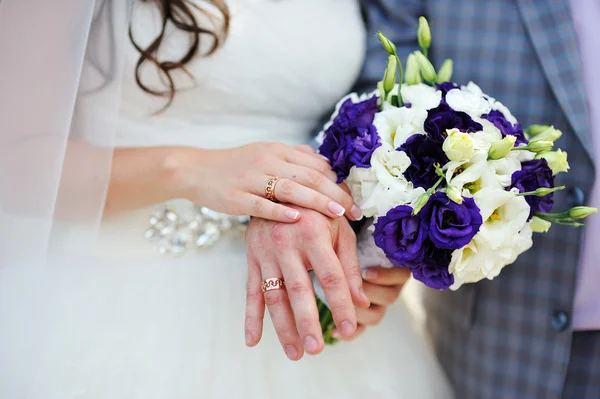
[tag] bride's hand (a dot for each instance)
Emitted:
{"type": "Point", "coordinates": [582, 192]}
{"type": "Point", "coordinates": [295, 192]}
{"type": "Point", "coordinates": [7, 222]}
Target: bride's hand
{"type": "Point", "coordinates": [233, 181]}
{"type": "Point", "coordinates": [277, 250]}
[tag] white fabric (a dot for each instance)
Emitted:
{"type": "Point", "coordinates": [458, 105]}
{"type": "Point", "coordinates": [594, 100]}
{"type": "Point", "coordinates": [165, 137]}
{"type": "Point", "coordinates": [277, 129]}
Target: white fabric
{"type": "Point", "coordinates": [127, 323]}
{"type": "Point", "coordinates": [59, 92]}
{"type": "Point", "coordinates": [55, 83]}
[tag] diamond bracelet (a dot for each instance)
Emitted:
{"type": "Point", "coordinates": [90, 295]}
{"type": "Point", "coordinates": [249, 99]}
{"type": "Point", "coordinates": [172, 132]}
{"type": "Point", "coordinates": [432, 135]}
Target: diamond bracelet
{"type": "Point", "coordinates": [174, 233]}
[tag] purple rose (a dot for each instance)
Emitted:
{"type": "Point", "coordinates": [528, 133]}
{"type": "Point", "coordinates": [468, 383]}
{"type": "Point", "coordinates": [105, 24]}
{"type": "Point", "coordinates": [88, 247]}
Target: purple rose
{"type": "Point", "coordinates": [401, 236]}
{"type": "Point", "coordinates": [533, 175]}
{"type": "Point", "coordinates": [505, 127]}
{"type": "Point", "coordinates": [443, 118]}
{"type": "Point", "coordinates": [433, 271]}
{"type": "Point", "coordinates": [451, 225]}
{"type": "Point", "coordinates": [364, 145]}
{"type": "Point", "coordinates": [424, 153]}
{"type": "Point", "coordinates": [352, 138]}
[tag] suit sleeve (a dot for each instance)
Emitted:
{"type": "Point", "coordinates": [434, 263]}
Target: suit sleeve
{"type": "Point", "coordinates": [398, 20]}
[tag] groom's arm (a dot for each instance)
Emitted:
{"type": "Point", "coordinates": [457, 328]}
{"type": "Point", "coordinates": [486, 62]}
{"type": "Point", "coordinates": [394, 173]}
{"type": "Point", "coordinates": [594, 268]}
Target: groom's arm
{"type": "Point", "coordinates": [398, 20]}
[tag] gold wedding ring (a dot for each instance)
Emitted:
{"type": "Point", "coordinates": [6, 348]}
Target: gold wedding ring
{"type": "Point", "coordinates": [270, 189]}
{"type": "Point", "coordinates": [272, 284]}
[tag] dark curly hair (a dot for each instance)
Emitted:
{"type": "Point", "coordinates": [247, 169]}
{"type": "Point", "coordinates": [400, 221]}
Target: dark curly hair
{"type": "Point", "coordinates": [180, 13]}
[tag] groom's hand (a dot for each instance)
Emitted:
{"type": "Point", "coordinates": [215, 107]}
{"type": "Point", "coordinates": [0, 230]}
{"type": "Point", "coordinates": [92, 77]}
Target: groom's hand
{"type": "Point", "coordinates": [382, 286]}
{"type": "Point", "coordinates": [288, 251]}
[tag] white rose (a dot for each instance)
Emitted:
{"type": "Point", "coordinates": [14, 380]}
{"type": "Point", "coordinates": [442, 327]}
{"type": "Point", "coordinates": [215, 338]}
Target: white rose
{"type": "Point", "coordinates": [383, 186]}
{"type": "Point", "coordinates": [362, 183]}
{"type": "Point", "coordinates": [473, 88]}
{"type": "Point", "coordinates": [523, 156]}
{"type": "Point", "coordinates": [421, 96]}
{"type": "Point", "coordinates": [477, 260]}
{"type": "Point", "coordinates": [503, 236]}
{"type": "Point", "coordinates": [458, 146]}
{"type": "Point", "coordinates": [395, 125]}
{"type": "Point", "coordinates": [498, 106]}
{"type": "Point", "coordinates": [320, 137]}
{"type": "Point", "coordinates": [459, 173]}
{"type": "Point", "coordinates": [498, 173]}
{"type": "Point", "coordinates": [495, 105]}
{"type": "Point", "coordinates": [467, 101]}
{"type": "Point", "coordinates": [504, 214]}
{"type": "Point", "coordinates": [490, 131]}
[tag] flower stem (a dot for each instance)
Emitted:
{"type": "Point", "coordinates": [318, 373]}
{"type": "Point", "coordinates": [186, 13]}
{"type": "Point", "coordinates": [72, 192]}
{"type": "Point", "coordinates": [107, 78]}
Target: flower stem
{"type": "Point", "coordinates": [400, 76]}
{"type": "Point", "coordinates": [435, 186]}
{"type": "Point", "coordinates": [541, 192]}
{"type": "Point", "coordinates": [326, 321]}
{"type": "Point", "coordinates": [563, 219]}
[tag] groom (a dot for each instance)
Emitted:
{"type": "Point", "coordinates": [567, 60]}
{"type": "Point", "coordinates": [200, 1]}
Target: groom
{"type": "Point", "coordinates": [534, 332]}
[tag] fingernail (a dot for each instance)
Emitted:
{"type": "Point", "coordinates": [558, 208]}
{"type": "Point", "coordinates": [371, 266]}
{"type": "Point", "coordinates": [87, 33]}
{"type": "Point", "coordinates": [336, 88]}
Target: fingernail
{"type": "Point", "coordinates": [291, 352]}
{"type": "Point", "coordinates": [292, 214]}
{"type": "Point", "coordinates": [369, 274]}
{"type": "Point", "coordinates": [310, 344]}
{"type": "Point", "coordinates": [335, 334]}
{"type": "Point", "coordinates": [347, 329]}
{"type": "Point", "coordinates": [336, 208]}
{"type": "Point", "coordinates": [248, 338]}
{"type": "Point", "coordinates": [356, 213]}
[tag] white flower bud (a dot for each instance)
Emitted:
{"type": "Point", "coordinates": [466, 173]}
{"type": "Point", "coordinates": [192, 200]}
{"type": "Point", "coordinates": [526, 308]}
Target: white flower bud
{"type": "Point", "coordinates": [540, 146]}
{"type": "Point", "coordinates": [550, 134]}
{"type": "Point", "coordinates": [557, 160]}
{"type": "Point", "coordinates": [543, 191]}
{"type": "Point", "coordinates": [445, 72]}
{"type": "Point", "coordinates": [387, 43]}
{"type": "Point", "coordinates": [412, 75]}
{"type": "Point", "coordinates": [454, 195]}
{"type": "Point", "coordinates": [581, 212]}
{"type": "Point", "coordinates": [500, 149]}
{"type": "Point", "coordinates": [458, 146]}
{"type": "Point", "coordinates": [389, 77]}
{"type": "Point", "coordinates": [424, 33]}
{"type": "Point", "coordinates": [536, 129]}
{"type": "Point", "coordinates": [426, 68]}
{"type": "Point", "coordinates": [421, 202]}
{"type": "Point", "coordinates": [539, 225]}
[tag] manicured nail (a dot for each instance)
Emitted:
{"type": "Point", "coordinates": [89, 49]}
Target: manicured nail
{"type": "Point", "coordinates": [369, 274]}
{"type": "Point", "coordinates": [291, 352]}
{"type": "Point", "coordinates": [290, 214]}
{"type": "Point", "coordinates": [356, 213]}
{"type": "Point", "coordinates": [336, 208]}
{"type": "Point", "coordinates": [310, 344]}
{"type": "Point", "coordinates": [347, 329]}
{"type": "Point", "coordinates": [248, 338]}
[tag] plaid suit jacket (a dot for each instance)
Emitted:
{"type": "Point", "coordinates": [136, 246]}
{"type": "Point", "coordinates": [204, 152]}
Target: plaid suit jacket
{"type": "Point", "coordinates": [510, 337]}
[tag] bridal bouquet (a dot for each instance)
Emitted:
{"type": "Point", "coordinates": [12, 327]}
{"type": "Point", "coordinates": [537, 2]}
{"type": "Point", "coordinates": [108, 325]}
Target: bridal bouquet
{"type": "Point", "coordinates": [455, 186]}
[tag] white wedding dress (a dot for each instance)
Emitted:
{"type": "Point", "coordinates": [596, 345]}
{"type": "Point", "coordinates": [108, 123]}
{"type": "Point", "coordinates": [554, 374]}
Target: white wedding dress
{"type": "Point", "coordinates": [129, 323]}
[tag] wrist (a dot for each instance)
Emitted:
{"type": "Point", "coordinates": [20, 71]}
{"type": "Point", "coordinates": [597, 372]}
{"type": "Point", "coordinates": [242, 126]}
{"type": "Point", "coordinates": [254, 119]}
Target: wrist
{"type": "Point", "coordinates": [174, 171]}
{"type": "Point", "coordinates": [181, 172]}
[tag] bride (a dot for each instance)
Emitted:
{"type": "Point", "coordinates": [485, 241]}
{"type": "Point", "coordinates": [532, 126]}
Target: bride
{"type": "Point", "coordinates": [156, 310]}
